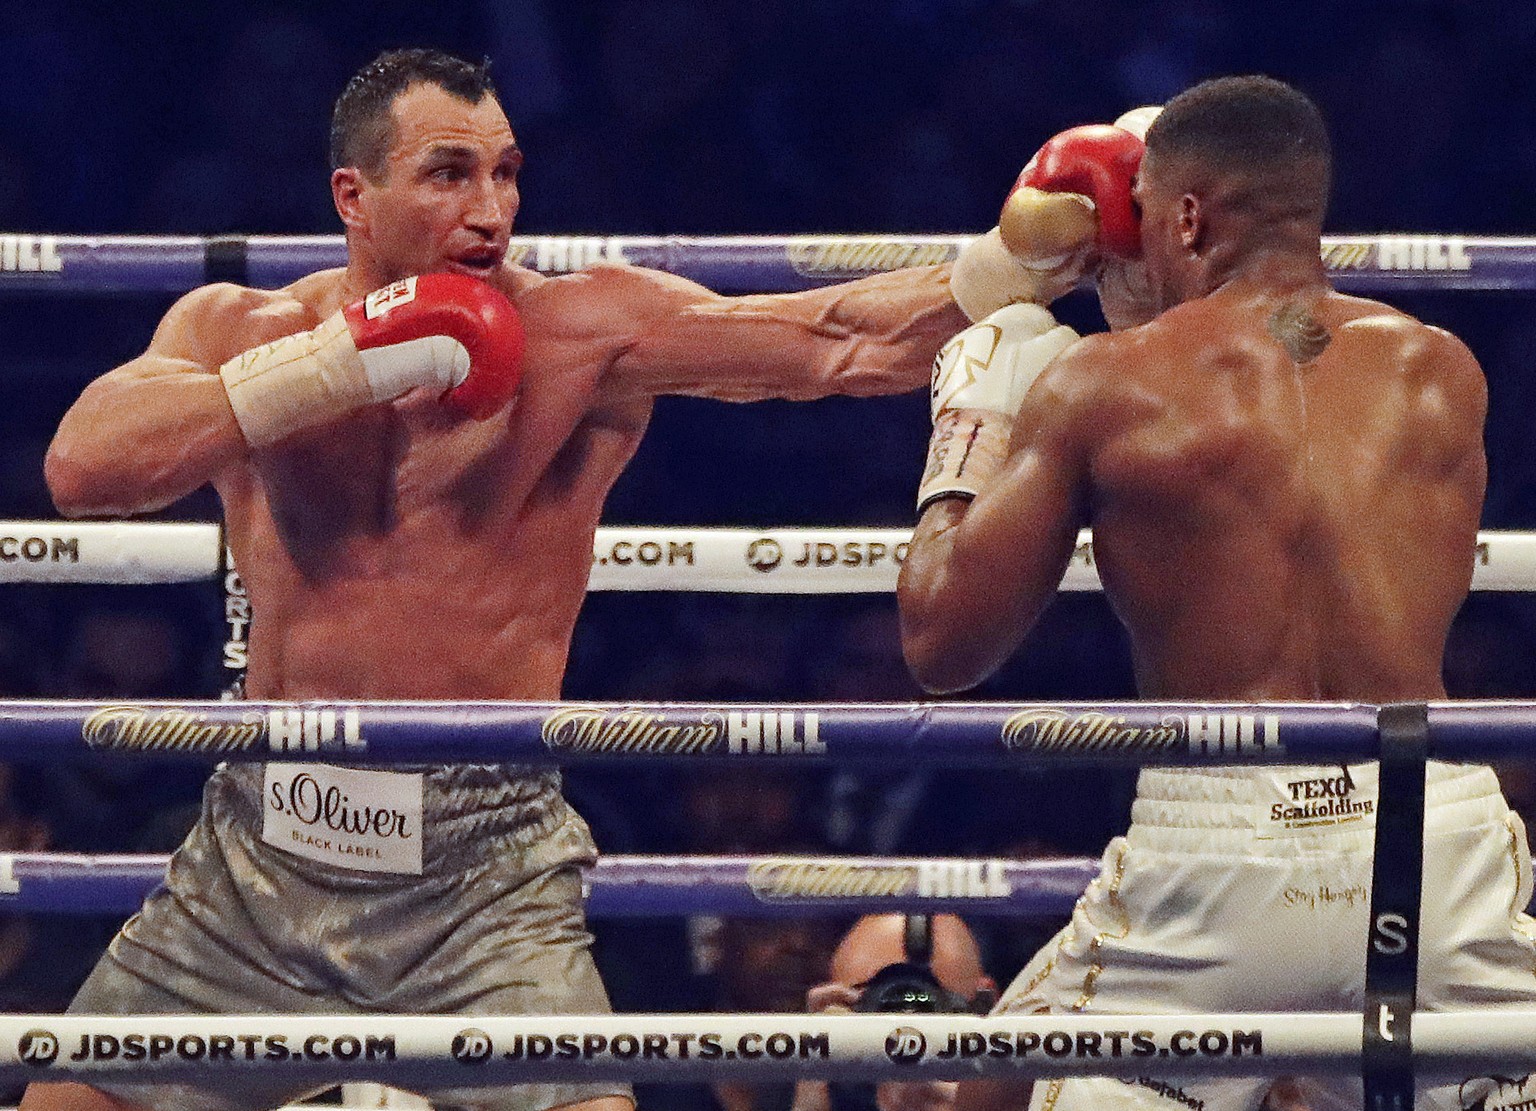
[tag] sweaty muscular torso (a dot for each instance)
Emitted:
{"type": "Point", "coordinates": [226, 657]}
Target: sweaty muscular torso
{"type": "Point", "coordinates": [407, 553]}
{"type": "Point", "coordinates": [1285, 500]}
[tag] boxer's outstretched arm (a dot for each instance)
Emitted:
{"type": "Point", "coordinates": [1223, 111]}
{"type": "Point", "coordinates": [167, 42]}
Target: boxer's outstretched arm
{"type": "Point", "coordinates": [877, 335]}
{"type": "Point", "coordinates": [979, 573]}
{"type": "Point", "coordinates": [157, 427]}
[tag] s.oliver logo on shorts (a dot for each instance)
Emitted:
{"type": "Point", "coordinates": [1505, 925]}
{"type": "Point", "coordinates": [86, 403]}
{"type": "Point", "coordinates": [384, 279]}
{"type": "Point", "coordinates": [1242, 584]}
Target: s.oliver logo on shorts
{"type": "Point", "coordinates": [349, 817]}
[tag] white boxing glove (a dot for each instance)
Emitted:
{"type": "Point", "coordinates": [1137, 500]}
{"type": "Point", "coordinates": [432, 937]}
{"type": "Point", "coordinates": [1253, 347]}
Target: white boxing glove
{"type": "Point", "coordinates": [1138, 121]}
{"type": "Point", "coordinates": [980, 379]}
{"type": "Point", "coordinates": [986, 276]}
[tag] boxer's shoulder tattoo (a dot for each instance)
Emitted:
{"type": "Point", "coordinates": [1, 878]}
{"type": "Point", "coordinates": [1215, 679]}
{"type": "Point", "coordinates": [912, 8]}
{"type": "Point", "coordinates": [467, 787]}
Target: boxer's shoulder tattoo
{"type": "Point", "coordinates": [1299, 332]}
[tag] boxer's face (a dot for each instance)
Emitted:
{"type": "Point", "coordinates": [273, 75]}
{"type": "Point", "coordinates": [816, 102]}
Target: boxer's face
{"type": "Point", "coordinates": [1165, 244]}
{"type": "Point", "coordinates": [1125, 293]}
{"type": "Point", "coordinates": [448, 194]}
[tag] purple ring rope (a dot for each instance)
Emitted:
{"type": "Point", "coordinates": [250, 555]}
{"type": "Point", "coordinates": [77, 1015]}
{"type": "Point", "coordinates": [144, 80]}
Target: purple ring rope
{"type": "Point", "coordinates": [919, 734]}
{"type": "Point", "coordinates": [731, 264]}
{"type": "Point", "coordinates": [1482, 730]}
{"type": "Point", "coordinates": [650, 886]}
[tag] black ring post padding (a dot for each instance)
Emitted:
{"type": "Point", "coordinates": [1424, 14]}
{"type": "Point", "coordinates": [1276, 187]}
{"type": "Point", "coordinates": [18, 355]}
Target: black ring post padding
{"type": "Point", "coordinates": [234, 596]}
{"type": "Point", "coordinates": [1397, 887]}
{"type": "Point", "coordinates": [224, 260]}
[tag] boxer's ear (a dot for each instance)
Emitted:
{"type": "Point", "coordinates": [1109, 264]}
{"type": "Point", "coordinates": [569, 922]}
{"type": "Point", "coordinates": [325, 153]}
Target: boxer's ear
{"type": "Point", "coordinates": [1192, 223]}
{"type": "Point", "coordinates": [347, 185]}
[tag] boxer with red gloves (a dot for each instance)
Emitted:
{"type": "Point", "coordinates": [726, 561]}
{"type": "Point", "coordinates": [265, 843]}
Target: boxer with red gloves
{"type": "Point", "coordinates": [393, 548]}
{"type": "Point", "coordinates": [1070, 209]}
{"type": "Point", "coordinates": [449, 333]}
{"type": "Point", "coordinates": [1077, 187]}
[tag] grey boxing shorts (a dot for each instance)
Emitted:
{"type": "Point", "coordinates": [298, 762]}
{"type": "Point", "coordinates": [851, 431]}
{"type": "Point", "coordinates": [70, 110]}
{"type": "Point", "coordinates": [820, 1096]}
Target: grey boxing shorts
{"type": "Point", "coordinates": [491, 923]}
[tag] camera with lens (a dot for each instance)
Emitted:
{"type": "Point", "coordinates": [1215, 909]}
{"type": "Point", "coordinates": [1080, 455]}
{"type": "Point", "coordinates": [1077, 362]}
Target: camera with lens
{"type": "Point", "coordinates": [911, 989]}
{"type": "Point", "coordinates": [907, 987]}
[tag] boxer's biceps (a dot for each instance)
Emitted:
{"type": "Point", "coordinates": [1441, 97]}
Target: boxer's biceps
{"type": "Point", "coordinates": [728, 349]}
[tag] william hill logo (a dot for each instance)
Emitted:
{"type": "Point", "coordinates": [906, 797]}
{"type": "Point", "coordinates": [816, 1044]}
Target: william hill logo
{"type": "Point", "coordinates": [140, 728]}
{"type": "Point", "coordinates": [797, 878]}
{"type": "Point", "coordinates": [590, 729]}
{"type": "Point", "coordinates": [30, 254]}
{"type": "Point", "coordinates": [851, 256]}
{"type": "Point", "coordinates": [637, 730]}
{"type": "Point", "coordinates": [175, 729]}
{"type": "Point", "coordinates": [1049, 729]}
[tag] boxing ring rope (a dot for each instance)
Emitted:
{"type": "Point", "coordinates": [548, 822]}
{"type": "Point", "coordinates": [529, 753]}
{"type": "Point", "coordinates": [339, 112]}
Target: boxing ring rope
{"type": "Point", "coordinates": [175, 264]}
{"type": "Point", "coordinates": [920, 734]}
{"type": "Point", "coordinates": [649, 886]}
{"type": "Point", "coordinates": [460, 1049]}
{"type": "Point", "coordinates": [628, 558]}
{"type": "Point", "coordinates": [482, 1050]}
{"type": "Point", "coordinates": [935, 734]}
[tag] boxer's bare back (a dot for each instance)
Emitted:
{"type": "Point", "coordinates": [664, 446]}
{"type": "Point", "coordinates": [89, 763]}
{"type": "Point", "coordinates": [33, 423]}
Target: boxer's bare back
{"type": "Point", "coordinates": [1286, 490]}
{"type": "Point", "coordinates": [1284, 486]}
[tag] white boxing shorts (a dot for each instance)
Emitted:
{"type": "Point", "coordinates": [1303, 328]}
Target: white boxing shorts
{"type": "Point", "coordinates": [1248, 890]}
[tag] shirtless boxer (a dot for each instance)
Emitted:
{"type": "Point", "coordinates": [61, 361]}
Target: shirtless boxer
{"type": "Point", "coordinates": [1284, 485]}
{"type": "Point", "coordinates": [412, 508]}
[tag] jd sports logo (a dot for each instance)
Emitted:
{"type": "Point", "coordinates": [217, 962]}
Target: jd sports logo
{"type": "Point", "coordinates": [905, 1045]}
{"type": "Point", "coordinates": [764, 554]}
{"type": "Point", "coordinates": [37, 1048]}
{"type": "Point", "coordinates": [1497, 1093]}
{"type": "Point", "coordinates": [472, 1047]}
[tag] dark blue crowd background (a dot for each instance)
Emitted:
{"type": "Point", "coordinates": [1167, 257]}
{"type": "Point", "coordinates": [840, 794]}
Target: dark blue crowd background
{"type": "Point", "coordinates": [712, 117]}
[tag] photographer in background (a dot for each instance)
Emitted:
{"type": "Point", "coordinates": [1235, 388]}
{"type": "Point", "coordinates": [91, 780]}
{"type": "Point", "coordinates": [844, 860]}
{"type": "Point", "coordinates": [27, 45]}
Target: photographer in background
{"type": "Point", "coordinates": [896, 963]}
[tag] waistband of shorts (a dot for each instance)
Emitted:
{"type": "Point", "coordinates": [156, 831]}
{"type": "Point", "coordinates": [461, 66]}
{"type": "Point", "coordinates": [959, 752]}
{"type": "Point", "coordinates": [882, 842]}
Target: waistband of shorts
{"type": "Point", "coordinates": [467, 809]}
{"type": "Point", "coordinates": [1335, 803]}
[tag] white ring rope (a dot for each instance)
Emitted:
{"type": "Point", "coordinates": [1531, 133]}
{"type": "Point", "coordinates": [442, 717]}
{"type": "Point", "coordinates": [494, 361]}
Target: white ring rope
{"type": "Point", "coordinates": [108, 551]}
{"type": "Point", "coordinates": [480, 1050]}
{"type": "Point", "coordinates": [628, 558]}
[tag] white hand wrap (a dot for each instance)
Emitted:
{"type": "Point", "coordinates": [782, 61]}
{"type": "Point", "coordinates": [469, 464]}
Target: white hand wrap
{"type": "Point", "coordinates": [980, 379]}
{"type": "Point", "coordinates": [987, 275]}
{"type": "Point", "coordinates": [315, 377]}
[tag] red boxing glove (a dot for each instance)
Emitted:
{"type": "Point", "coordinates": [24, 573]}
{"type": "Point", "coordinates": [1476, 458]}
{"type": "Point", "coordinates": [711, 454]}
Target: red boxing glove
{"type": "Point", "coordinates": [448, 333]}
{"type": "Point", "coordinates": [1099, 161]}
{"type": "Point", "coordinates": [413, 316]}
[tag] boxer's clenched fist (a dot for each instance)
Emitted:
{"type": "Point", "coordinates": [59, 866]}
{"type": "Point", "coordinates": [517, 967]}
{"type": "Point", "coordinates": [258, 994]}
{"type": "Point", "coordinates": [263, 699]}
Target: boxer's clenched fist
{"type": "Point", "coordinates": [980, 379]}
{"type": "Point", "coordinates": [444, 332]}
{"type": "Point", "coordinates": [1077, 188]}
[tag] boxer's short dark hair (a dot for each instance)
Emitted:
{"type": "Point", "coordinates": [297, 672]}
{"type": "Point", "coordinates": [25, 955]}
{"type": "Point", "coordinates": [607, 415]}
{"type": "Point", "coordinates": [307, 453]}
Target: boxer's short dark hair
{"type": "Point", "coordinates": [1248, 125]}
{"type": "Point", "coordinates": [362, 128]}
